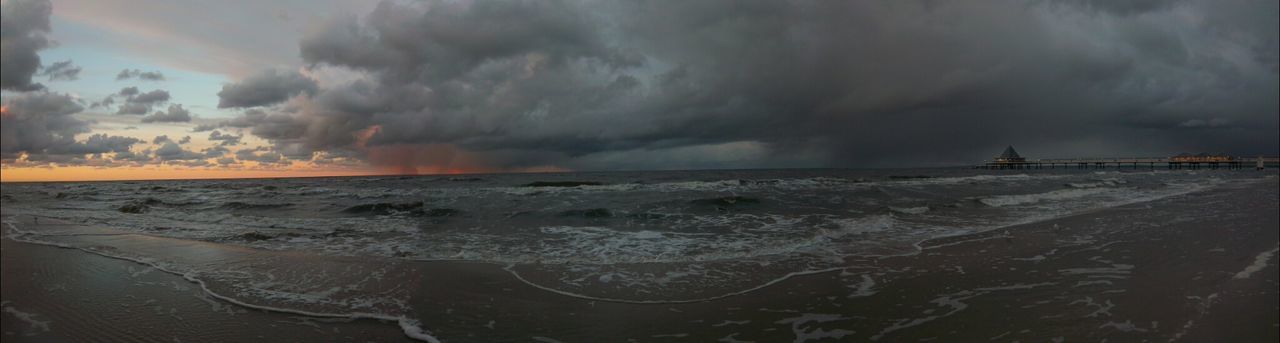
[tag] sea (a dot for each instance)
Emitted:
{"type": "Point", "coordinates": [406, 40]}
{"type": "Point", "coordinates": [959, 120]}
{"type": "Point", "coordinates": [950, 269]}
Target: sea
{"type": "Point", "coordinates": [645, 237]}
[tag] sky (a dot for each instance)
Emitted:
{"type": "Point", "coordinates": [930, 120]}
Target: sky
{"type": "Point", "coordinates": [147, 89]}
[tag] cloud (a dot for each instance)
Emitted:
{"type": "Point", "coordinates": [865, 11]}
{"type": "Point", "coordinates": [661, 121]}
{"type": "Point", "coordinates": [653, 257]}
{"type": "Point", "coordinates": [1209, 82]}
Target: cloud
{"type": "Point", "coordinates": [224, 139]}
{"type": "Point", "coordinates": [38, 121]}
{"type": "Point", "coordinates": [265, 88]}
{"type": "Point", "coordinates": [175, 114]}
{"type": "Point", "coordinates": [24, 30]}
{"type": "Point", "coordinates": [1198, 123]}
{"type": "Point", "coordinates": [41, 125]}
{"type": "Point", "coordinates": [172, 151]}
{"type": "Point", "coordinates": [132, 157]}
{"type": "Point", "coordinates": [135, 102]}
{"type": "Point", "coordinates": [96, 144]}
{"type": "Point", "coordinates": [575, 84]}
{"type": "Point", "coordinates": [268, 157]}
{"type": "Point", "coordinates": [215, 151]}
{"type": "Point", "coordinates": [1122, 7]}
{"type": "Point", "coordinates": [62, 71]}
{"type": "Point", "coordinates": [140, 75]}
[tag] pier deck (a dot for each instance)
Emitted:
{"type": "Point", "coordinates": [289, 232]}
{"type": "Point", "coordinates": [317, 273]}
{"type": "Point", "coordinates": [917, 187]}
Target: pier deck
{"type": "Point", "coordinates": [1131, 163]}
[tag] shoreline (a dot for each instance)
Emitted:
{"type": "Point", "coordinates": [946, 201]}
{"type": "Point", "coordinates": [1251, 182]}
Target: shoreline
{"type": "Point", "coordinates": [969, 254]}
{"type": "Point", "coordinates": [172, 295]}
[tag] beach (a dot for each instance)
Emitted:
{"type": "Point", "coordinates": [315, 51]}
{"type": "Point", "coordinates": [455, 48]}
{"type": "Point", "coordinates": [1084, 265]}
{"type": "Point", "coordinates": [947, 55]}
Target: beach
{"type": "Point", "coordinates": [1193, 266]}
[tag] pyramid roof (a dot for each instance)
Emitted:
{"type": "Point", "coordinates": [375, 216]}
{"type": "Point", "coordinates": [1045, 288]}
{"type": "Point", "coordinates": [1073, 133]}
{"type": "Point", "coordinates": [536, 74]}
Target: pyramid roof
{"type": "Point", "coordinates": [1010, 153]}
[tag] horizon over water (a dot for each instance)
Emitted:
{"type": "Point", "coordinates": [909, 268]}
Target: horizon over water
{"type": "Point", "coordinates": [643, 237]}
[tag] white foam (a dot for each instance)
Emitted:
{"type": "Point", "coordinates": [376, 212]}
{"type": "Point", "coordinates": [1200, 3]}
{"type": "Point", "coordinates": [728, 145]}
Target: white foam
{"type": "Point", "coordinates": [731, 339]}
{"type": "Point", "coordinates": [803, 335]}
{"type": "Point", "coordinates": [411, 327]}
{"type": "Point", "coordinates": [26, 317]}
{"type": "Point", "coordinates": [1259, 262]}
{"type": "Point", "coordinates": [864, 288]}
{"type": "Point", "coordinates": [956, 302]}
{"type": "Point", "coordinates": [731, 322]}
{"type": "Point", "coordinates": [1099, 308]}
{"type": "Point", "coordinates": [1127, 326]}
{"type": "Point", "coordinates": [1036, 258]}
{"type": "Point", "coordinates": [1022, 199]}
{"type": "Point", "coordinates": [1116, 270]}
{"type": "Point", "coordinates": [510, 269]}
{"type": "Point", "coordinates": [910, 210]}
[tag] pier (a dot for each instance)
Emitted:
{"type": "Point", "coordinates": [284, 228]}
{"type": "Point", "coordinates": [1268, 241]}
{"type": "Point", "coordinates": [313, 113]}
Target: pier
{"type": "Point", "coordinates": [1011, 160]}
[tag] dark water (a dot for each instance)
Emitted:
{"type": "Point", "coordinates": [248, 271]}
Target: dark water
{"type": "Point", "coordinates": [668, 236]}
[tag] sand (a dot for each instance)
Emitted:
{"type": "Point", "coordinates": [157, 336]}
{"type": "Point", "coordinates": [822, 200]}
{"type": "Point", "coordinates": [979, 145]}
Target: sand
{"type": "Point", "coordinates": [1193, 267]}
{"type": "Point", "coordinates": [69, 295]}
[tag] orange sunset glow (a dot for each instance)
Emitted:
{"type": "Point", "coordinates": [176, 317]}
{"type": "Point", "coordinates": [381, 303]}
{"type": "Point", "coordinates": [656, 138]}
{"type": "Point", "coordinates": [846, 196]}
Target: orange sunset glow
{"type": "Point", "coordinates": [85, 173]}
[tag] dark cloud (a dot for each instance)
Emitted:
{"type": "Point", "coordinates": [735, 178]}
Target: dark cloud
{"type": "Point", "coordinates": [257, 155]}
{"type": "Point", "coordinates": [62, 71]}
{"type": "Point", "coordinates": [128, 92]}
{"type": "Point", "coordinates": [175, 114]}
{"type": "Point", "coordinates": [1122, 7]}
{"type": "Point", "coordinates": [606, 85]}
{"type": "Point", "coordinates": [141, 75]}
{"type": "Point", "coordinates": [24, 30]}
{"type": "Point", "coordinates": [216, 151]}
{"type": "Point", "coordinates": [96, 144]}
{"type": "Point", "coordinates": [41, 125]}
{"type": "Point", "coordinates": [172, 151]}
{"type": "Point", "coordinates": [204, 127]}
{"type": "Point", "coordinates": [266, 88]}
{"type": "Point", "coordinates": [224, 139]}
{"type": "Point", "coordinates": [133, 157]}
{"type": "Point", "coordinates": [135, 101]}
{"type": "Point", "coordinates": [35, 122]}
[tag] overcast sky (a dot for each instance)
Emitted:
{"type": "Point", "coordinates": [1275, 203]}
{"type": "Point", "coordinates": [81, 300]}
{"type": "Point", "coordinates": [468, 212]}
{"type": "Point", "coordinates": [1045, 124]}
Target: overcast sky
{"type": "Point", "coordinates": [456, 86]}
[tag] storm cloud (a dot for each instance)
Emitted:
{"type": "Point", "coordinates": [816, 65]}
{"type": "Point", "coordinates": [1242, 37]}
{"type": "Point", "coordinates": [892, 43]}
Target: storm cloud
{"type": "Point", "coordinates": [41, 125]}
{"type": "Point", "coordinates": [265, 88]}
{"type": "Point", "coordinates": [175, 114]}
{"type": "Point", "coordinates": [598, 85]}
{"type": "Point", "coordinates": [24, 29]}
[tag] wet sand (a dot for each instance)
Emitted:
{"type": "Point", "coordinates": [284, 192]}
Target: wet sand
{"type": "Point", "coordinates": [61, 295]}
{"type": "Point", "coordinates": [1192, 267]}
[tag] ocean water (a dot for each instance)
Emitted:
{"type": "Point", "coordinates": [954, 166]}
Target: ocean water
{"type": "Point", "coordinates": [641, 237]}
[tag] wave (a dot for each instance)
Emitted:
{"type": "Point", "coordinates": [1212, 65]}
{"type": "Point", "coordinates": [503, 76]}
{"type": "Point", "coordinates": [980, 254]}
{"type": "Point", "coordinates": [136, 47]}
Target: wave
{"type": "Point", "coordinates": [561, 183]}
{"type": "Point", "coordinates": [728, 201]}
{"type": "Point", "coordinates": [139, 206]}
{"type": "Point", "coordinates": [384, 208]}
{"type": "Point", "coordinates": [1024, 199]}
{"type": "Point", "coordinates": [909, 210]}
{"type": "Point", "coordinates": [237, 205]}
{"type": "Point", "coordinates": [544, 187]}
{"type": "Point", "coordinates": [412, 328]}
{"type": "Point", "coordinates": [588, 213]}
{"type": "Point", "coordinates": [1108, 182]}
{"type": "Point", "coordinates": [417, 209]}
